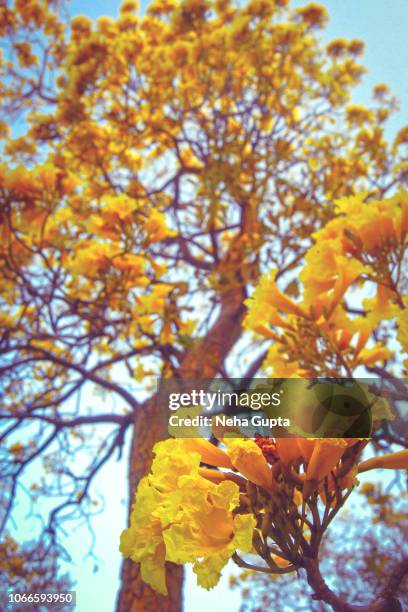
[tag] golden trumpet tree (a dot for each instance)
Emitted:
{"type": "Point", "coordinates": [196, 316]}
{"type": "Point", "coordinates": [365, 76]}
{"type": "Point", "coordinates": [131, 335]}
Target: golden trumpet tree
{"type": "Point", "coordinates": [162, 163]}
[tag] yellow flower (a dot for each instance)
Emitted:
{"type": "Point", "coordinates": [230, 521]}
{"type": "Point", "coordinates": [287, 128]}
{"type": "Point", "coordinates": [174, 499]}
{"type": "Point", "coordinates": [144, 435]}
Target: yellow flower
{"type": "Point", "coordinates": [306, 447]}
{"type": "Point", "coordinates": [357, 114]}
{"type": "Point", "coordinates": [181, 516]}
{"type": "Point", "coordinates": [247, 458]}
{"type": "Point", "coordinates": [205, 531]}
{"type": "Point", "coordinates": [130, 263]}
{"type": "Point", "coordinates": [392, 461]}
{"type": "Point", "coordinates": [156, 226]}
{"type": "Point", "coordinates": [173, 460]}
{"type": "Point", "coordinates": [314, 15]}
{"type": "Point", "coordinates": [268, 293]}
{"type": "Point", "coordinates": [375, 223]}
{"type": "Point", "coordinates": [129, 6]}
{"type": "Point", "coordinates": [325, 456]}
{"type": "Point", "coordinates": [91, 258]}
{"type": "Point", "coordinates": [210, 454]}
{"type": "Point", "coordinates": [143, 541]}
{"type": "Point", "coordinates": [372, 355]}
{"type": "Point", "coordinates": [22, 183]}
{"type": "Point", "coordinates": [282, 365]}
{"type": "Point", "coordinates": [288, 450]}
{"type": "Point", "coordinates": [348, 272]}
{"type": "Point", "coordinates": [336, 48]}
{"type": "Point", "coordinates": [121, 205]}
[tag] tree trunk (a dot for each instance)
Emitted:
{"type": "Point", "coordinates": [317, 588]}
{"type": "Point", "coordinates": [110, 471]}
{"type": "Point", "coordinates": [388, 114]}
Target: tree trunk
{"type": "Point", "coordinates": [135, 595]}
{"type": "Point", "coordinates": [151, 426]}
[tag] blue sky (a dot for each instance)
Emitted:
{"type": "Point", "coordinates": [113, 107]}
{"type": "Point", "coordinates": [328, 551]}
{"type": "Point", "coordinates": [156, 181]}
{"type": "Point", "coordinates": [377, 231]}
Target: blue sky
{"type": "Point", "coordinates": [382, 25]}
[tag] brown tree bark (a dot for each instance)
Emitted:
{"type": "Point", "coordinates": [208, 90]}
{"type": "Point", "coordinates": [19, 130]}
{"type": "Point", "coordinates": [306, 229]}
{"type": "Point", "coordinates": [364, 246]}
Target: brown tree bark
{"type": "Point", "coordinates": [151, 426]}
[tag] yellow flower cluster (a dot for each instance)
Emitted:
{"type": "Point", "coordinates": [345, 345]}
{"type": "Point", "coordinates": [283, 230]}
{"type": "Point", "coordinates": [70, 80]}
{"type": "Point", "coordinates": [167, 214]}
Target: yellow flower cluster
{"type": "Point", "coordinates": [182, 517]}
{"type": "Point", "coordinates": [185, 513]}
{"type": "Point", "coordinates": [364, 246]}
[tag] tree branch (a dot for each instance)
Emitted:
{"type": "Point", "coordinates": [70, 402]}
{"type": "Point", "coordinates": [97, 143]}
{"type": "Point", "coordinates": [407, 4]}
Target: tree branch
{"type": "Point", "coordinates": [385, 602]}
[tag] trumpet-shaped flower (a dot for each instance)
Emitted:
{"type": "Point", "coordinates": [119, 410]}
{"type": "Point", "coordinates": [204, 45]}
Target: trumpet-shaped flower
{"type": "Point", "coordinates": [288, 450]}
{"type": "Point", "coordinates": [205, 531]}
{"type": "Point", "coordinates": [391, 461]}
{"type": "Point", "coordinates": [181, 516]}
{"type": "Point", "coordinates": [326, 455]}
{"type": "Point", "coordinates": [210, 454]}
{"type": "Point", "coordinates": [320, 457]}
{"type": "Point", "coordinates": [247, 458]}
